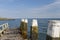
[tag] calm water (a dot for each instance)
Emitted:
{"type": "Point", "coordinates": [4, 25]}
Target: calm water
{"type": "Point", "coordinates": [42, 24]}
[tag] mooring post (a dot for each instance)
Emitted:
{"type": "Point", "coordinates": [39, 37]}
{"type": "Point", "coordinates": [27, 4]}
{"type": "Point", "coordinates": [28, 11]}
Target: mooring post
{"type": "Point", "coordinates": [21, 25]}
{"type": "Point", "coordinates": [24, 32]}
{"type": "Point", "coordinates": [53, 32]}
{"type": "Point", "coordinates": [34, 30]}
{"type": "Point", "coordinates": [1, 35]}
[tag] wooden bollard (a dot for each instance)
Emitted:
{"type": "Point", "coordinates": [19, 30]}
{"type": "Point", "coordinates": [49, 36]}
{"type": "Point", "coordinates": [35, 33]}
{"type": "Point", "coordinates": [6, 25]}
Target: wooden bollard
{"type": "Point", "coordinates": [24, 32]}
{"type": "Point", "coordinates": [21, 25]}
{"type": "Point", "coordinates": [53, 32]}
{"type": "Point", "coordinates": [34, 30]}
{"type": "Point", "coordinates": [1, 34]}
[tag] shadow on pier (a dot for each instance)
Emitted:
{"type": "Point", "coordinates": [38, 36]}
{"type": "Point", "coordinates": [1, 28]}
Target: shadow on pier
{"type": "Point", "coordinates": [7, 33]}
{"type": "Point", "coordinates": [11, 34]}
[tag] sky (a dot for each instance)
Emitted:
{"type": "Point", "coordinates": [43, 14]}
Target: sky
{"type": "Point", "coordinates": [30, 8]}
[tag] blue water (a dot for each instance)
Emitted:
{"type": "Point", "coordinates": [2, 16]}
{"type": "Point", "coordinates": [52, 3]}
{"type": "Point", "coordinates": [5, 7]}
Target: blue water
{"type": "Point", "coordinates": [42, 24]}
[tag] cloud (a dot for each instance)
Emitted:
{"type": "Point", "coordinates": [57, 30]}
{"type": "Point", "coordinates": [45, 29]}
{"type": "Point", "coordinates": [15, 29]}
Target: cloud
{"type": "Point", "coordinates": [17, 13]}
{"type": "Point", "coordinates": [57, 0]}
{"type": "Point", "coordinates": [51, 10]}
{"type": "Point", "coordinates": [6, 0]}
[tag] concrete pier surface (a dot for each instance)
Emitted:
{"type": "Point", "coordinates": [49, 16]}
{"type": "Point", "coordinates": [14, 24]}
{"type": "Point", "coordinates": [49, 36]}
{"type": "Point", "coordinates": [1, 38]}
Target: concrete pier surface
{"type": "Point", "coordinates": [11, 34]}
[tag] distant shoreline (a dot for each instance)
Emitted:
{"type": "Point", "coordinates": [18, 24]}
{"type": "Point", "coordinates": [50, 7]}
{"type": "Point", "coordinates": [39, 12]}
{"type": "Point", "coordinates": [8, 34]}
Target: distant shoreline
{"type": "Point", "coordinates": [7, 19]}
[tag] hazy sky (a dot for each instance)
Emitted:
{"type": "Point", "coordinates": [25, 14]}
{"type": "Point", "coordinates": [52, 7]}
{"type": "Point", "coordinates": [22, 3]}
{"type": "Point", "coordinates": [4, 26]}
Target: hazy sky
{"type": "Point", "coordinates": [30, 8]}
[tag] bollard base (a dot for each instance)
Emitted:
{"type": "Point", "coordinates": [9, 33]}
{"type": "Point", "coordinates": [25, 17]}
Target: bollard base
{"type": "Point", "coordinates": [51, 38]}
{"type": "Point", "coordinates": [24, 34]}
{"type": "Point", "coordinates": [1, 35]}
{"type": "Point", "coordinates": [25, 39]}
{"type": "Point", "coordinates": [34, 33]}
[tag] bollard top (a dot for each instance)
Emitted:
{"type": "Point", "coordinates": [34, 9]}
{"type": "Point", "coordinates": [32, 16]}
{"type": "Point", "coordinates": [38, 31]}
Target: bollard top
{"type": "Point", "coordinates": [22, 20]}
{"type": "Point", "coordinates": [34, 23]}
{"type": "Point", "coordinates": [26, 20]}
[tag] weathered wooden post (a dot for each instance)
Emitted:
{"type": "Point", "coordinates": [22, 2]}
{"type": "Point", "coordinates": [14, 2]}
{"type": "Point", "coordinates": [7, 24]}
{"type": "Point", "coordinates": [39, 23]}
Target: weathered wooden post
{"type": "Point", "coordinates": [53, 32]}
{"type": "Point", "coordinates": [1, 35]}
{"type": "Point", "coordinates": [21, 25]}
{"type": "Point", "coordinates": [34, 30]}
{"type": "Point", "coordinates": [23, 28]}
{"type": "Point", "coordinates": [24, 32]}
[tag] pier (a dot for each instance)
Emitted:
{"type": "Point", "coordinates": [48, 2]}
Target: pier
{"type": "Point", "coordinates": [3, 27]}
{"type": "Point", "coordinates": [9, 34]}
